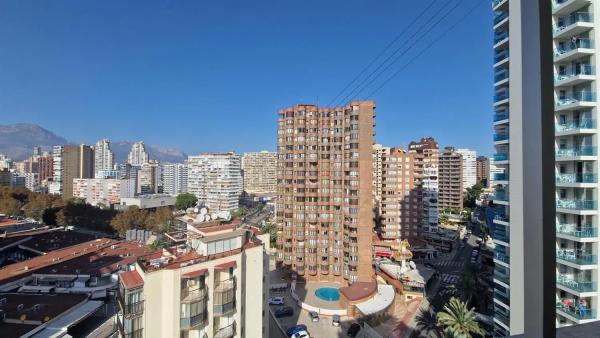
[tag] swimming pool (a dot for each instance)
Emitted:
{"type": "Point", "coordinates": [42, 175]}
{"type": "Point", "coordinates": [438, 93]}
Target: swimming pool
{"type": "Point", "coordinates": [328, 294]}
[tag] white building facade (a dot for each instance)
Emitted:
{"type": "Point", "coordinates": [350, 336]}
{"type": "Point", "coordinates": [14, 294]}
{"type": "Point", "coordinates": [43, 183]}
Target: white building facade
{"type": "Point", "coordinates": [216, 180]}
{"type": "Point", "coordinates": [103, 191]}
{"type": "Point", "coordinates": [174, 177]}
{"type": "Point", "coordinates": [103, 156]}
{"type": "Point", "coordinates": [138, 155]}
{"type": "Point", "coordinates": [469, 166]}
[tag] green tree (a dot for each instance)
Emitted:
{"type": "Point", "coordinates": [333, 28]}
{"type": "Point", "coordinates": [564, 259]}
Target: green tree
{"type": "Point", "coordinates": [472, 195]}
{"type": "Point", "coordinates": [80, 214]}
{"type": "Point", "coordinates": [186, 200]}
{"type": "Point", "coordinates": [271, 228]}
{"type": "Point", "coordinates": [426, 322]}
{"type": "Point", "coordinates": [457, 319]}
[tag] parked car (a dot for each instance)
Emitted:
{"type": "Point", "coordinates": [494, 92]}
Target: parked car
{"type": "Point", "coordinates": [473, 260]}
{"type": "Point", "coordinates": [314, 316]}
{"type": "Point", "coordinates": [335, 320]}
{"type": "Point", "coordinates": [300, 334]}
{"type": "Point", "coordinates": [353, 330]}
{"type": "Point", "coordinates": [276, 301]}
{"type": "Point", "coordinates": [285, 311]}
{"type": "Point", "coordinates": [295, 329]}
{"type": "Point", "coordinates": [469, 232]}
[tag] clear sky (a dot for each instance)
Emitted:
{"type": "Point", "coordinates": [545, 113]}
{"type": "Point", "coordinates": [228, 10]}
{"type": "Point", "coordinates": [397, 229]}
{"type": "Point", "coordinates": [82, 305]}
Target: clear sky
{"type": "Point", "coordinates": [210, 75]}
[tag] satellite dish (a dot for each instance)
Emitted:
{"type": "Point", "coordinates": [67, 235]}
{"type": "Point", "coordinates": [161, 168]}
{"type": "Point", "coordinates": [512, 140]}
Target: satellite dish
{"type": "Point", "coordinates": [203, 211]}
{"type": "Point", "coordinates": [214, 216]}
{"type": "Point", "coordinates": [196, 210]}
{"type": "Point", "coordinates": [207, 217]}
{"type": "Point", "coordinates": [200, 218]}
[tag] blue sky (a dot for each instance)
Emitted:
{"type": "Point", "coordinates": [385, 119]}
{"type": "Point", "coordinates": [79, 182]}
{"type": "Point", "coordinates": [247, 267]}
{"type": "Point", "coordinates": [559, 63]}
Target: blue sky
{"type": "Point", "coordinates": [210, 75]}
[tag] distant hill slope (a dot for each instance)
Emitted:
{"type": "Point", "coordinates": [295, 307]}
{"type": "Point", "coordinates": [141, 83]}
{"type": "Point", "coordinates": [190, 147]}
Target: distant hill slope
{"type": "Point", "coordinates": [17, 142]}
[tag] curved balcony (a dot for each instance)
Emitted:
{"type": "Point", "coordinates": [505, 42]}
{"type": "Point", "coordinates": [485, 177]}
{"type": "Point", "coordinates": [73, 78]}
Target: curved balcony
{"type": "Point", "coordinates": [500, 177]}
{"type": "Point", "coordinates": [499, 17]}
{"type": "Point", "coordinates": [500, 56]}
{"type": "Point", "coordinates": [500, 116]}
{"type": "Point", "coordinates": [500, 137]}
{"type": "Point", "coordinates": [225, 332]}
{"type": "Point", "coordinates": [193, 295]}
{"type": "Point", "coordinates": [193, 322]}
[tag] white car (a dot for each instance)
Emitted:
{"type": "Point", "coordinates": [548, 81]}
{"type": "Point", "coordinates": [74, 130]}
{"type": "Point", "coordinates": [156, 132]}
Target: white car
{"type": "Point", "coordinates": [276, 301]}
{"type": "Point", "coordinates": [300, 334]}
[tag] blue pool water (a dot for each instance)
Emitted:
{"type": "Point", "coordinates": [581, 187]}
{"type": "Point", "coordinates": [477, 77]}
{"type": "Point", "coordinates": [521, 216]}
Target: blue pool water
{"type": "Point", "coordinates": [328, 294]}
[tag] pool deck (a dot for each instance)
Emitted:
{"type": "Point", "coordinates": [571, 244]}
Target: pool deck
{"type": "Point", "coordinates": [306, 292]}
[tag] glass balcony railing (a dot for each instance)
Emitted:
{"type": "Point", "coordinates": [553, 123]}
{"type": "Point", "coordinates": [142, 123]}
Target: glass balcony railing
{"type": "Point", "coordinates": [499, 116]}
{"type": "Point", "coordinates": [500, 137]}
{"type": "Point", "coordinates": [577, 285]}
{"type": "Point", "coordinates": [500, 177]}
{"type": "Point", "coordinates": [496, 2]}
{"type": "Point", "coordinates": [567, 47]}
{"type": "Point", "coordinates": [576, 151]}
{"type": "Point", "coordinates": [502, 317]}
{"type": "Point", "coordinates": [575, 256]}
{"type": "Point", "coordinates": [500, 217]}
{"type": "Point", "coordinates": [586, 231]}
{"type": "Point", "coordinates": [576, 124]}
{"type": "Point", "coordinates": [501, 277]}
{"type": "Point", "coordinates": [576, 97]}
{"type": "Point", "coordinates": [500, 157]}
{"type": "Point", "coordinates": [576, 178]}
{"type": "Point", "coordinates": [500, 76]}
{"type": "Point", "coordinates": [500, 55]}
{"type": "Point", "coordinates": [500, 196]}
{"type": "Point", "coordinates": [501, 235]}
{"type": "Point", "coordinates": [502, 257]}
{"type": "Point", "coordinates": [575, 204]}
{"type": "Point", "coordinates": [577, 312]}
{"type": "Point", "coordinates": [575, 71]}
{"type": "Point", "coordinates": [499, 36]}
{"type": "Point", "coordinates": [501, 96]}
{"type": "Point", "coordinates": [572, 19]}
{"type": "Point", "coordinates": [499, 16]}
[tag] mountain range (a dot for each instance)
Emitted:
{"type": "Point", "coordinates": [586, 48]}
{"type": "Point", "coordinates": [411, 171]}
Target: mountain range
{"type": "Point", "coordinates": [17, 142]}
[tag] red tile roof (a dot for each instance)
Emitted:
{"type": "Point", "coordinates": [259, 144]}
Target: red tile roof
{"type": "Point", "coordinates": [131, 279]}
{"type": "Point", "coordinates": [225, 265]}
{"type": "Point", "coordinates": [359, 290]}
{"type": "Point", "coordinates": [195, 273]}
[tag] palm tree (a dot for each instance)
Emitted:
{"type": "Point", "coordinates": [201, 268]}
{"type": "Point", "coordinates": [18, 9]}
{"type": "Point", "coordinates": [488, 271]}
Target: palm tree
{"type": "Point", "coordinates": [458, 320]}
{"type": "Point", "coordinates": [426, 321]}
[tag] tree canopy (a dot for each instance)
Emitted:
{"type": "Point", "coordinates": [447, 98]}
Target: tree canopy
{"type": "Point", "coordinates": [185, 200]}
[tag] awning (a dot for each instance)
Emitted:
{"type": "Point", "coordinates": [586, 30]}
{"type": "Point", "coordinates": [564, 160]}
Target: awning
{"type": "Point", "coordinates": [195, 273]}
{"type": "Point", "coordinates": [224, 266]}
{"type": "Point", "coordinates": [383, 254]}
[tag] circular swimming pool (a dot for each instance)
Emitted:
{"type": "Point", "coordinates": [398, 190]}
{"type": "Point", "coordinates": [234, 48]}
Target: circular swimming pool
{"type": "Point", "coordinates": [328, 294]}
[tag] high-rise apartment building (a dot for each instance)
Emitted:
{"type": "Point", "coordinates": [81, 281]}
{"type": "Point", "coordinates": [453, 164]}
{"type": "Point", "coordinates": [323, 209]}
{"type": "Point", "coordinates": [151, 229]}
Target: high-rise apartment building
{"type": "Point", "coordinates": [450, 179]}
{"type": "Point", "coordinates": [483, 170]}
{"type": "Point", "coordinates": [106, 191]}
{"type": "Point", "coordinates": [148, 178]}
{"type": "Point", "coordinates": [103, 156]}
{"type": "Point", "coordinates": [325, 191]}
{"type": "Point", "coordinates": [212, 285]}
{"type": "Point", "coordinates": [469, 167]}
{"type": "Point", "coordinates": [70, 162]}
{"type": "Point", "coordinates": [426, 180]}
{"type": "Point", "coordinates": [138, 155]}
{"type": "Point", "coordinates": [378, 154]}
{"type": "Point", "coordinates": [45, 167]}
{"type": "Point", "coordinates": [216, 180]}
{"type": "Point", "coordinates": [260, 172]}
{"type": "Point", "coordinates": [400, 204]}
{"type": "Point", "coordinates": [174, 178]}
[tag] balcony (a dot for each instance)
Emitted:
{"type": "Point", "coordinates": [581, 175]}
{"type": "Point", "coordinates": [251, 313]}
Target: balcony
{"type": "Point", "coordinates": [503, 318]}
{"type": "Point", "coordinates": [500, 55]}
{"type": "Point", "coordinates": [500, 177]}
{"type": "Point", "coordinates": [500, 137]}
{"type": "Point", "coordinates": [501, 157]}
{"type": "Point", "coordinates": [580, 313]}
{"type": "Point", "coordinates": [501, 235]}
{"type": "Point", "coordinates": [138, 333]}
{"type": "Point", "coordinates": [576, 125]}
{"type": "Point", "coordinates": [576, 178]}
{"type": "Point", "coordinates": [575, 75]}
{"type": "Point", "coordinates": [500, 217]}
{"type": "Point", "coordinates": [574, 50]}
{"type": "Point", "coordinates": [576, 100]}
{"type": "Point", "coordinates": [501, 297]}
{"type": "Point", "coordinates": [499, 17]}
{"type": "Point", "coordinates": [500, 196]}
{"type": "Point", "coordinates": [193, 295]}
{"type": "Point", "coordinates": [225, 332]}
{"type": "Point", "coordinates": [573, 230]}
{"type": "Point", "coordinates": [500, 116]}
{"type": "Point", "coordinates": [575, 151]}
{"type": "Point", "coordinates": [577, 285]}
{"type": "Point", "coordinates": [500, 77]}
{"type": "Point", "coordinates": [191, 323]}
{"type": "Point", "coordinates": [500, 38]}
{"type": "Point", "coordinates": [131, 309]}
{"type": "Point", "coordinates": [501, 96]}
{"type": "Point", "coordinates": [501, 277]}
{"type": "Point", "coordinates": [501, 257]}
{"type": "Point", "coordinates": [573, 25]}
{"type": "Point", "coordinates": [568, 6]}
{"type": "Point", "coordinates": [575, 204]}
{"type": "Point", "coordinates": [576, 257]}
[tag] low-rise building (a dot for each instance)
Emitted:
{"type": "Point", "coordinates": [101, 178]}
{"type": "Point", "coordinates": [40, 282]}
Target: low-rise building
{"type": "Point", "coordinates": [149, 201]}
{"type": "Point", "coordinates": [211, 284]}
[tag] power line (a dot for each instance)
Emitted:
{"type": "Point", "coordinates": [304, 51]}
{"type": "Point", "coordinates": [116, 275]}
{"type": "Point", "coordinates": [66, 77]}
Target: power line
{"type": "Point", "coordinates": [364, 86]}
{"type": "Point", "coordinates": [427, 47]}
{"type": "Point", "coordinates": [385, 49]}
{"type": "Point", "coordinates": [403, 46]}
